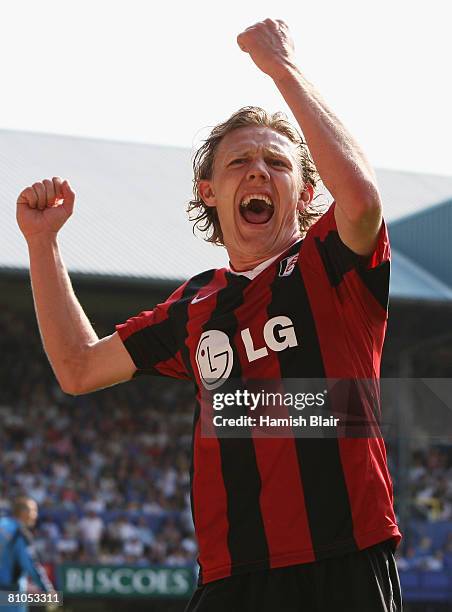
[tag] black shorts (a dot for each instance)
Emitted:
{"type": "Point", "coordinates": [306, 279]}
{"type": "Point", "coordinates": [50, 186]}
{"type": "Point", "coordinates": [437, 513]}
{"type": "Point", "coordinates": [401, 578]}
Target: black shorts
{"type": "Point", "coordinates": [364, 581]}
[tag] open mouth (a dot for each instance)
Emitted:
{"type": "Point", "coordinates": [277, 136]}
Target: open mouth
{"type": "Point", "coordinates": [257, 208]}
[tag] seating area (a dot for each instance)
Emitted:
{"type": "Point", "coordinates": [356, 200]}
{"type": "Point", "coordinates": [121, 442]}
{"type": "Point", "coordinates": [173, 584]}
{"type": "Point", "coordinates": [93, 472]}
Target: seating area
{"type": "Point", "coordinates": [110, 471]}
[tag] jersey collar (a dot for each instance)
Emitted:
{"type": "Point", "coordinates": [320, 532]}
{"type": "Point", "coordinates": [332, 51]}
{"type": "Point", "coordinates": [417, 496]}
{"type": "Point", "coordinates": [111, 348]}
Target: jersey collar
{"type": "Point", "coordinates": [251, 274]}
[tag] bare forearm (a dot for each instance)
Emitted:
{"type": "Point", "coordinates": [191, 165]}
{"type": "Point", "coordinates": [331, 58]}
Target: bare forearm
{"type": "Point", "coordinates": [341, 163]}
{"type": "Point", "coordinates": [65, 329]}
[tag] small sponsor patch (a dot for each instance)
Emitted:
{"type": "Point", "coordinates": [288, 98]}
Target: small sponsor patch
{"type": "Point", "coordinates": [287, 265]}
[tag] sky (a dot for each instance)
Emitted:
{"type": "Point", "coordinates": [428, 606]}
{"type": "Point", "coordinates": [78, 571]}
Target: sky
{"type": "Point", "coordinates": [164, 72]}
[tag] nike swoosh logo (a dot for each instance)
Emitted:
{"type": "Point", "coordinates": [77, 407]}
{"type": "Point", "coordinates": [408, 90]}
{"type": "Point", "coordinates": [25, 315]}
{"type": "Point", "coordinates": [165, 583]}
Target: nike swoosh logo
{"type": "Point", "coordinates": [199, 298]}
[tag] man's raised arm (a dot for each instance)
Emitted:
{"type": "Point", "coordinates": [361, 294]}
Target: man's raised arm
{"type": "Point", "coordinates": [81, 362]}
{"type": "Point", "coordinates": [340, 161]}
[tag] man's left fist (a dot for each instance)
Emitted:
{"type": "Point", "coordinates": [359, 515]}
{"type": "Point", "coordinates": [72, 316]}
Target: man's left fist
{"type": "Point", "coordinates": [270, 46]}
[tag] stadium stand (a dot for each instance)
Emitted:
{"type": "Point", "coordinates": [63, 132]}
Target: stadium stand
{"type": "Point", "coordinates": [110, 470]}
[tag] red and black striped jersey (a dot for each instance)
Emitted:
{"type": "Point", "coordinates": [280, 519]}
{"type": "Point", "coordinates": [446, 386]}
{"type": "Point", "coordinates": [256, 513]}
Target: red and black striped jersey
{"type": "Point", "coordinates": [270, 502]}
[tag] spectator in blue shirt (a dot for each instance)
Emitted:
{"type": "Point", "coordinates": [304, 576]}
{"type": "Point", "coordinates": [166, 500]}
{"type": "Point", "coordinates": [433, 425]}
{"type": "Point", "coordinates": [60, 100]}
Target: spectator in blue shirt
{"type": "Point", "coordinates": [17, 560]}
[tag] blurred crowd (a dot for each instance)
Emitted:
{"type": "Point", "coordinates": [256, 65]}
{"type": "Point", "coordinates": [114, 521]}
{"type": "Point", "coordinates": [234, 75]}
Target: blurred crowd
{"type": "Point", "coordinates": [424, 554]}
{"type": "Point", "coordinates": [110, 470]}
{"type": "Point", "coordinates": [430, 478]}
{"type": "Point", "coordinates": [427, 543]}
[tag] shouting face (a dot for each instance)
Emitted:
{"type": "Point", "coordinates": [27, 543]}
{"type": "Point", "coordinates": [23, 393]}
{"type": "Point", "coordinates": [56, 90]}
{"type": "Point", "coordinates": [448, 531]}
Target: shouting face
{"type": "Point", "coordinates": [257, 190]}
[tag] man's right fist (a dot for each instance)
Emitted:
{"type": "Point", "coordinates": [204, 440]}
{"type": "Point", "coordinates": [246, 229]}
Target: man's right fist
{"type": "Point", "coordinates": [44, 207]}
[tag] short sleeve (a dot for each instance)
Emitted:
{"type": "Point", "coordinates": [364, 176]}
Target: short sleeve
{"type": "Point", "coordinates": [153, 341]}
{"type": "Point", "coordinates": [342, 265]}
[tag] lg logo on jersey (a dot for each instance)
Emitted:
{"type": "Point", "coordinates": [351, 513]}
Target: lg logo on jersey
{"type": "Point", "coordinates": [214, 358]}
{"type": "Point", "coordinates": [214, 355]}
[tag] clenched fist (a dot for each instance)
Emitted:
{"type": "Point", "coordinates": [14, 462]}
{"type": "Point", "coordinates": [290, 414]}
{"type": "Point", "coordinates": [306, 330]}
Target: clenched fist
{"type": "Point", "coordinates": [44, 207]}
{"type": "Point", "coordinates": [270, 46]}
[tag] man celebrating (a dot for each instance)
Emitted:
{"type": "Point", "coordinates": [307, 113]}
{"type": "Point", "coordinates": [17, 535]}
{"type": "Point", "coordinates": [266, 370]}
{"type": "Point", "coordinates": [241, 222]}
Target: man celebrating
{"type": "Point", "coordinates": [284, 523]}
